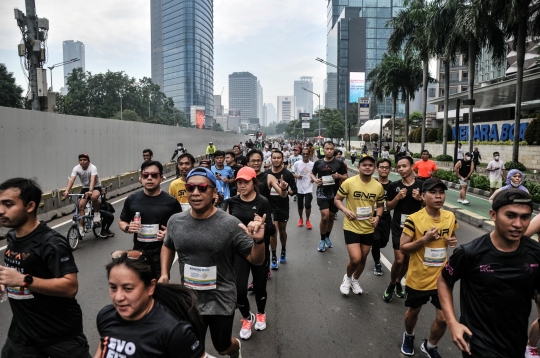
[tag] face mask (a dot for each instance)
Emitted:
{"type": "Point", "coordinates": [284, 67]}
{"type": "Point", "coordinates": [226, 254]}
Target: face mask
{"type": "Point", "coordinates": [497, 158]}
{"type": "Point", "coordinates": [467, 158]}
{"type": "Point", "coordinates": [514, 184]}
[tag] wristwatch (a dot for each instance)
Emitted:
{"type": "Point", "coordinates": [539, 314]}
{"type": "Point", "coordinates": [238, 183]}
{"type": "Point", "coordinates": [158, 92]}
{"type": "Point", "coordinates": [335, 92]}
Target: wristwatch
{"type": "Point", "coordinates": [28, 280]}
{"type": "Point", "coordinates": [258, 242]}
{"type": "Point", "coordinates": [126, 229]}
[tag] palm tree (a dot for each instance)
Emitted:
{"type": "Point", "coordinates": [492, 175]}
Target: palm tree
{"type": "Point", "coordinates": [409, 31]}
{"type": "Point", "coordinates": [411, 81]}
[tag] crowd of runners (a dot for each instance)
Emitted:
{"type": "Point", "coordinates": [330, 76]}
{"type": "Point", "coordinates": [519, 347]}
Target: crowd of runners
{"type": "Point", "coordinates": [222, 217]}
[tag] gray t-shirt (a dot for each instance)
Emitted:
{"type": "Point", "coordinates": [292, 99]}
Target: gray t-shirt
{"type": "Point", "coordinates": [209, 243]}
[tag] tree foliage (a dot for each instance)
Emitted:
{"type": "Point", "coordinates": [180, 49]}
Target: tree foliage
{"type": "Point", "coordinates": [10, 92]}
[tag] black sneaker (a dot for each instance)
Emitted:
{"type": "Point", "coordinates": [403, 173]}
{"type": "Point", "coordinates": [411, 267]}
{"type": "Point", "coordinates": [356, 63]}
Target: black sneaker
{"type": "Point", "coordinates": [430, 352]}
{"type": "Point", "coordinates": [399, 291]}
{"type": "Point", "coordinates": [389, 293]}
{"type": "Point", "coordinates": [377, 271]}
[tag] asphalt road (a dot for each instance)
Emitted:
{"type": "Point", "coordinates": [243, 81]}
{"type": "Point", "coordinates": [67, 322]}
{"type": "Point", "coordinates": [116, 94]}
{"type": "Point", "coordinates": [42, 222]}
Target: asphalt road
{"type": "Point", "coordinates": [306, 314]}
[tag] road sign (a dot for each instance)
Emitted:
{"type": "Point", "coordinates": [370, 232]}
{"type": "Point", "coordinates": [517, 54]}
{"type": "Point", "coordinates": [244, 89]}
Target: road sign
{"type": "Point", "coordinates": [363, 108]}
{"type": "Point", "coordinates": [305, 117]}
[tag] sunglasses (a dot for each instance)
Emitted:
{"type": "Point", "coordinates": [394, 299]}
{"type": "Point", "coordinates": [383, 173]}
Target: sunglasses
{"type": "Point", "coordinates": [131, 254]}
{"type": "Point", "coordinates": [154, 175]}
{"type": "Point", "coordinates": [190, 188]}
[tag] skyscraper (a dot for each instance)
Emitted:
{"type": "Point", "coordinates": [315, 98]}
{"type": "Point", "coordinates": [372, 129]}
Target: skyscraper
{"type": "Point", "coordinates": [260, 102]}
{"type": "Point", "coordinates": [183, 52]}
{"type": "Point", "coordinates": [73, 49]}
{"type": "Point", "coordinates": [304, 99]}
{"type": "Point", "coordinates": [270, 113]}
{"type": "Point", "coordinates": [243, 94]}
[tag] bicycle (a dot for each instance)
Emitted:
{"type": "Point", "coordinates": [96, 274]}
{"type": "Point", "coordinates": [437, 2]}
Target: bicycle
{"type": "Point", "coordinates": [88, 223]}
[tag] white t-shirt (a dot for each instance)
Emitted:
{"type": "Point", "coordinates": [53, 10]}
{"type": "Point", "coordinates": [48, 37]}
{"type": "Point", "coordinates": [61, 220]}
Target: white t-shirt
{"type": "Point", "coordinates": [385, 154]}
{"type": "Point", "coordinates": [267, 154]}
{"type": "Point", "coordinates": [353, 152]}
{"type": "Point", "coordinates": [460, 153]}
{"type": "Point", "coordinates": [496, 174]}
{"type": "Point", "coordinates": [304, 185]}
{"type": "Point", "coordinates": [85, 175]}
{"type": "Point", "coordinates": [286, 155]}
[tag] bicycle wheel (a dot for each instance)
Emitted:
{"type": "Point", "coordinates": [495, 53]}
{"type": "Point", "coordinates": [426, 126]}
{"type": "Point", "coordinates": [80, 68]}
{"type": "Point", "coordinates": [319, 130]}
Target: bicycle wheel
{"type": "Point", "coordinates": [98, 226]}
{"type": "Point", "coordinates": [73, 237]}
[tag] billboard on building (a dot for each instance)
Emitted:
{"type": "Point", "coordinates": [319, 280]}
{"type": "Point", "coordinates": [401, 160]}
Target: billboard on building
{"type": "Point", "coordinates": [197, 114]}
{"type": "Point", "coordinates": [357, 86]}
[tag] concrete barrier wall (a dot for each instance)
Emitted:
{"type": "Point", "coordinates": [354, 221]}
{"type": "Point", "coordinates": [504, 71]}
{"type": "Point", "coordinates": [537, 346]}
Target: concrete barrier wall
{"type": "Point", "coordinates": [46, 145]}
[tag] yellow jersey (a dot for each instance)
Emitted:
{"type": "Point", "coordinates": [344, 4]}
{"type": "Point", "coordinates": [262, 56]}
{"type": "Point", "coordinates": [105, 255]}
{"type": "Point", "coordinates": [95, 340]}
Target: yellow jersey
{"type": "Point", "coordinates": [178, 190]}
{"type": "Point", "coordinates": [426, 264]}
{"type": "Point", "coordinates": [362, 199]}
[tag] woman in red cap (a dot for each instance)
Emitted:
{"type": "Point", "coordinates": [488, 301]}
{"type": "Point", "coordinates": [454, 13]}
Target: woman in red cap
{"type": "Point", "coordinates": [245, 206]}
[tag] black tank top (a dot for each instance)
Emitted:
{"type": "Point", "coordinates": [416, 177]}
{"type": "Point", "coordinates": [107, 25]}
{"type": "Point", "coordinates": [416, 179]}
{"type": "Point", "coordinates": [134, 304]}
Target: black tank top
{"type": "Point", "coordinates": [465, 168]}
{"type": "Point", "coordinates": [263, 185]}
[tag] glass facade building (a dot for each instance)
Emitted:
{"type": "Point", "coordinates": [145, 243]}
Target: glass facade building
{"type": "Point", "coordinates": [183, 52]}
{"type": "Point", "coordinates": [73, 49]}
{"type": "Point", "coordinates": [243, 94]}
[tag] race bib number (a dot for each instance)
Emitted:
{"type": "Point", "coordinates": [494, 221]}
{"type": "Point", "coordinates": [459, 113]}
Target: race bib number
{"type": "Point", "coordinates": [363, 213]}
{"type": "Point", "coordinates": [434, 256]}
{"type": "Point", "coordinates": [402, 221]}
{"type": "Point", "coordinates": [19, 293]}
{"type": "Point", "coordinates": [200, 278]}
{"type": "Point", "coordinates": [148, 233]}
{"type": "Point", "coordinates": [327, 180]}
{"type": "Point", "coordinates": [185, 207]}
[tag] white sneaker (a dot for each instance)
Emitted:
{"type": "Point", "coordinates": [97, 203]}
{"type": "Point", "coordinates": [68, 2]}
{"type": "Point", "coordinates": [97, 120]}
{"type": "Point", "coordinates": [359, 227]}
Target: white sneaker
{"type": "Point", "coordinates": [531, 352]}
{"type": "Point", "coordinates": [245, 332]}
{"type": "Point", "coordinates": [465, 202]}
{"type": "Point", "coordinates": [356, 289]}
{"type": "Point", "coordinates": [345, 285]}
{"type": "Point", "coordinates": [460, 201]}
{"type": "Point", "coordinates": [260, 323]}
{"type": "Point", "coordinates": [97, 216]}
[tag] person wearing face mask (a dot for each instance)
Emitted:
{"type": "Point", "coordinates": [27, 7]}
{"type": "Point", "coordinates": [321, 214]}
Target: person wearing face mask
{"type": "Point", "coordinates": [514, 179]}
{"type": "Point", "coordinates": [464, 169]}
{"type": "Point", "coordinates": [496, 173]}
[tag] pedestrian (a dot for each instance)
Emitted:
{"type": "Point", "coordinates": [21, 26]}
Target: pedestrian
{"type": "Point", "coordinates": [210, 150]}
{"type": "Point", "coordinates": [301, 171]}
{"type": "Point", "coordinates": [178, 151]}
{"type": "Point", "coordinates": [206, 240]}
{"type": "Point", "coordinates": [382, 231]}
{"type": "Point", "coordinates": [148, 154]}
{"type": "Point", "coordinates": [476, 158]}
{"type": "Point", "coordinates": [459, 152]}
{"type": "Point", "coordinates": [376, 152]}
{"type": "Point", "coordinates": [360, 219]}
{"type": "Point", "coordinates": [425, 168]}
{"type": "Point", "coordinates": [385, 154]}
{"type": "Point", "coordinates": [503, 266]}
{"type": "Point", "coordinates": [364, 149]}
{"type": "Point", "coordinates": [155, 207]}
{"type": "Point", "coordinates": [353, 154]}
{"type": "Point", "coordinates": [177, 188]}
{"type": "Point", "coordinates": [426, 237]}
{"type": "Point", "coordinates": [514, 179]}
{"type": "Point", "coordinates": [230, 162]}
{"type": "Point", "coordinates": [147, 319]}
{"type": "Point", "coordinates": [107, 215]}
{"type": "Point", "coordinates": [238, 157]}
{"type": "Point", "coordinates": [464, 169]}
{"type": "Point", "coordinates": [40, 278]}
{"type": "Point", "coordinates": [496, 173]}
{"type": "Point", "coordinates": [224, 176]}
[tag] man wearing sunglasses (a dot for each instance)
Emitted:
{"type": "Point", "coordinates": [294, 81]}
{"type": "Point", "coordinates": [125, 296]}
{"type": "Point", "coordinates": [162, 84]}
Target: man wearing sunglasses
{"type": "Point", "coordinates": [155, 207]}
{"type": "Point", "coordinates": [206, 240]}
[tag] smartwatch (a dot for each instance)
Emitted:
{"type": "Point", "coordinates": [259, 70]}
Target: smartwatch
{"type": "Point", "coordinates": [126, 229]}
{"type": "Point", "coordinates": [258, 242]}
{"type": "Point", "coordinates": [28, 280]}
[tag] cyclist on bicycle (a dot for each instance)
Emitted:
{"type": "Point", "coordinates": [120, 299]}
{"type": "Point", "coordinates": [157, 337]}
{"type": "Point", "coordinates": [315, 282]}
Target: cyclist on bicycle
{"type": "Point", "coordinates": [91, 185]}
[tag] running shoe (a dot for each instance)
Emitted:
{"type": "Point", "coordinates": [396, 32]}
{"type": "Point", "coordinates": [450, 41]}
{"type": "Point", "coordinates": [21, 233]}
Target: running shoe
{"type": "Point", "coordinates": [407, 347]}
{"type": "Point", "coordinates": [345, 285]}
{"type": "Point", "coordinates": [356, 289]}
{"type": "Point", "coordinates": [300, 222]}
{"type": "Point", "coordinates": [273, 264]}
{"type": "Point", "coordinates": [399, 291]}
{"type": "Point", "coordinates": [103, 234]}
{"type": "Point", "coordinates": [245, 332]}
{"type": "Point", "coordinates": [465, 202]}
{"type": "Point", "coordinates": [322, 246]}
{"type": "Point", "coordinates": [283, 257]}
{"type": "Point", "coordinates": [239, 349]}
{"type": "Point", "coordinates": [460, 201]}
{"type": "Point", "coordinates": [389, 293]}
{"type": "Point", "coordinates": [531, 352]}
{"type": "Point", "coordinates": [377, 271]}
{"type": "Point", "coordinates": [308, 225]}
{"type": "Point", "coordinates": [250, 287]}
{"type": "Point", "coordinates": [327, 242]}
{"type": "Point", "coordinates": [110, 233]}
{"type": "Point", "coordinates": [430, 352]}
{"type": "Point", "coordinates": [261, 322]}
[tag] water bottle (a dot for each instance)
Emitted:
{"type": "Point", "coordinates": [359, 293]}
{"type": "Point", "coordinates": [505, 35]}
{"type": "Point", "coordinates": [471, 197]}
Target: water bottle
{"type": "Point", "coordinates": [137, 218]}
{"type": "Point", "coordinates": [3, 294]}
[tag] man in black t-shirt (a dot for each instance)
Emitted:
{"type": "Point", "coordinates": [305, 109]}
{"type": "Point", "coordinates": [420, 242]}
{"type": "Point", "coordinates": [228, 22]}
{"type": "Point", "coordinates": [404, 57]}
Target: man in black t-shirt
{"type": "Point", "coordinates": [280, 207]}
{"type": "Point", "coordinates": [464, 169]}
{"type": "Point", "coordinates": [499, 273]}
{"type": "Point", "coordinates": [39, 276]}
{"type": "Point", "coordinates": [404, 197]}
{"type": "Point", "coordinates": [230, 161]}
{"type": "Point", "coordinates": [155, 207]}
{"type": "Point", "coordinates": [327, 173]}
{"type": "Point", "coordinates": [238, 157]}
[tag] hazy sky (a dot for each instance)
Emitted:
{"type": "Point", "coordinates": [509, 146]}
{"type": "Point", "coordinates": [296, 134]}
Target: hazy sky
{"type": "Point", "coordinates": [276, 40]}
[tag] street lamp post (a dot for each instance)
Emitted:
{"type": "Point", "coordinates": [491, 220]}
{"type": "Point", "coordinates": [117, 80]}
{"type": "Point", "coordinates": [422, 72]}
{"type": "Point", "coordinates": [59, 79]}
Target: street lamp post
{"type": "Point", "coordinates": [121, 106]}
{"type": "Point", "coordinates": [60, 64]}
{"type": "Point", "coordinates": [319, 115]}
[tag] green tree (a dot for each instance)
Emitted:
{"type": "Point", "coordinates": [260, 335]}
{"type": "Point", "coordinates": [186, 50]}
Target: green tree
{"type": "Point", "coordinates": [10, 92]}
{"type": "Point", "coordinates": [416, 118]}
{"type": "Point", "coordinates": [128, 115]}
{"type": "Point", "coordinates": [333, 123]}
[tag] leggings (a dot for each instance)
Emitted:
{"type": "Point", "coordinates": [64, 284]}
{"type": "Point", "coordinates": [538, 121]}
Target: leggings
{"type": "Point", "coordinates": [376, 251]}
{"type": "Point", "coordinates": [107, 219]}
{"type": "Point", "coordinates": [242, 267]}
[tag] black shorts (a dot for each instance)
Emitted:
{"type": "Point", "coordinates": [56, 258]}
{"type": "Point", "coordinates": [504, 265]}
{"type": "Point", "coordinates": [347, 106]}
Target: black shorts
{"type": "Point", "coordinates": [86, 190]}
{"type": "Point", "coordinates": [220, 330]}
{"type": "Point", "coordinates": [300, 200]}
{"type": "Point", "coordinates": [354, 238]}
{"type": "Point", "coordinates": [281, 216]}
{"type": "Point", "coordinates": [325, 203]}
{"type": "Point", "coordinates": [416, 298]}
{"type": "Point", "coordinates": [382, 231]}
{"type": "Point", "coordinates": [395, 241]}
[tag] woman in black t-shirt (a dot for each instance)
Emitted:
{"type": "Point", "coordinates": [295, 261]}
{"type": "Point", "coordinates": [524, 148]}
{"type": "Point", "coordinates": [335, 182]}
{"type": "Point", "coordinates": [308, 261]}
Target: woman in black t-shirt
{"type": "Point", "coordinates": [147, 319]}
{"type": "Point", "coordinates": [245, 207]}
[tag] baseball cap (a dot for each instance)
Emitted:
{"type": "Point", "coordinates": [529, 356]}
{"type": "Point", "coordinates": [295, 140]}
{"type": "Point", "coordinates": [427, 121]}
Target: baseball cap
{"type": "Point", "coordinates": [210, 142]}
{"type": "Point", "coordinates": [246, 173]}
{"type": "Point", "coordinates": [298, 149]}
{"type": "Point", "coordinates": [84, 155]}
{"type": "Point", "coordinates": [432, 183]}
{"type": "Point", "coordinates": [364, 157]}
{"type": "Point", "coordinates": [511, 196]}
{"type": "Point", "coordinates": [201, 171]}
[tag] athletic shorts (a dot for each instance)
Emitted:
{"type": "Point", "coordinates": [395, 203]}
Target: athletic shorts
{"type": "Point", "coordinates": [396, 241]}
{"type": "Point", "coordinates": [300, 200]}
{"type": "Point", "coordinates": [86, 190]}
{"type": "Point", "coordinates": [416, 298]}
{"type": "Point", "coordinates": [382, 231]}
{"type": "Point", "coordinates": [464, 182]}
{"type": "Point", "coordinates": [495, 184]}
{"type": "Point", "coordinates": [281, 216]}
{"type": "Point", "coordinates": [325, 203]}
{"type": "Point", "coordinates": [354, 238]}
{"type": "Point", "coordinates": [220, 330]}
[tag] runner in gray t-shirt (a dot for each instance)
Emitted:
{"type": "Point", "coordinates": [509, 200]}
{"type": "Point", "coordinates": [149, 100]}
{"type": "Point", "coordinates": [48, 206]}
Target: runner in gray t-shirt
{"type": "Point", "coordinates": [206, 240]}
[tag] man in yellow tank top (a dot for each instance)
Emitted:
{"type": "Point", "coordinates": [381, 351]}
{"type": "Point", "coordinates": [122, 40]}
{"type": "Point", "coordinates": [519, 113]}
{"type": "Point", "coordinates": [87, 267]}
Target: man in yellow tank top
{"type": "Point", "coordinates": [426, 236]}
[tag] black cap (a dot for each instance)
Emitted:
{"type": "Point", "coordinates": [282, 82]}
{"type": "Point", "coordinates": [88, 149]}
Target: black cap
{"type": "Point", "coordinates": [511, 196]}
{"type": "Point", "coordinates": [469, 154]}
{"type": "Point", "coordinates": [364, 157]}
{"type": "Point", "coordinates": [432, 183]}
